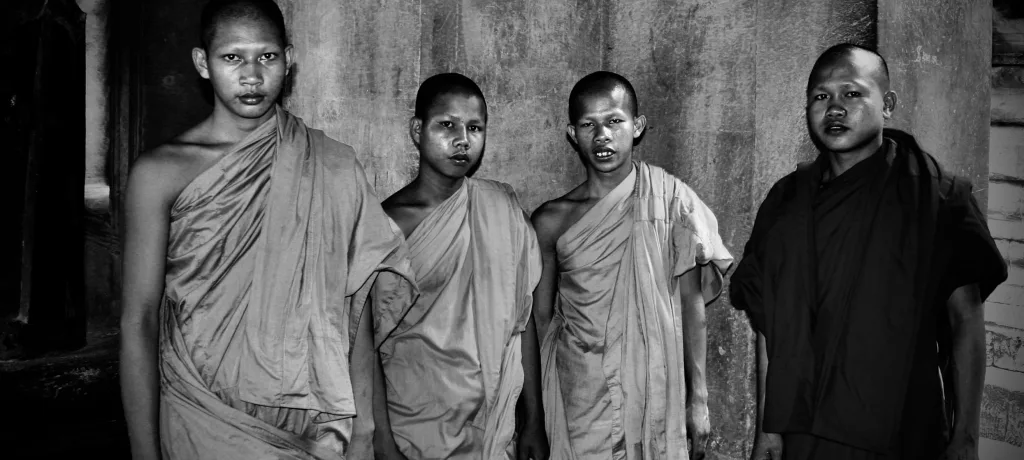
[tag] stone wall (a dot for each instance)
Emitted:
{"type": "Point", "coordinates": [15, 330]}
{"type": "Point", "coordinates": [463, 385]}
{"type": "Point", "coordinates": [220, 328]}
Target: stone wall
{"type": "Point", "coordinates": [1003, 404]}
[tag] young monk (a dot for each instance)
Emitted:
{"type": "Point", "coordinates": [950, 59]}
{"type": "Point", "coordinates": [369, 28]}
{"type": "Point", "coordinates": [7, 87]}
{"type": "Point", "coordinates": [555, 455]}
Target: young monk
{"type": "Point", "coordinates": [252, 244]}
{"type": "Point", "coordinates": [858, 264]}
{"type": "Point", "coordinates": [621, 297]}
{"type": "Point", "coordinates": [454, 379]}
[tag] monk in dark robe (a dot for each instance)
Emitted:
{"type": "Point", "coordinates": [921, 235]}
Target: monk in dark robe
{"type": "Point", "coordinates": [631, 257]}
{"type": "Point", "coordinates": [255, 252]}
{"type": "Point", "coordinates": [455, 378]}
{"type": "Point", "coordinates": [865, 277]}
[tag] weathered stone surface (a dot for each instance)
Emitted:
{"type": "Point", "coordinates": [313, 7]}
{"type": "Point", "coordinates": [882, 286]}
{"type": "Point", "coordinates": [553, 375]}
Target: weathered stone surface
{"type": "Point", "coordinates": [932, 46]}
{"type": "Point", "coordinates": [172, 89]}
{"type": "Point", "coordinates": [355, 78]}
{"type": "Point", "coordinates": [525, 55]}
{"type": "Point", "coordinates": [1005, 348]}
{"type": "Point", "coordinates": [1002, 415]}
{"type": "Point", "coordinates": [695, 85]}
{"type": "Point", "coordinates": [1006, 148]}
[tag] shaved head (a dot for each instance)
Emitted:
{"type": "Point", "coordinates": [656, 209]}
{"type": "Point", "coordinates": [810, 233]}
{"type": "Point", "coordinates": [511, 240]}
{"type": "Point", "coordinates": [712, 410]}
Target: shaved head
{"type": "Point", "coordinates": [600, 83]}
{"type": "Point", "coordinates": [443, 84]}
{"type": "Point", "coordinates": [217, 11]}
{"type": "Point", "coordinates": [847, 54]}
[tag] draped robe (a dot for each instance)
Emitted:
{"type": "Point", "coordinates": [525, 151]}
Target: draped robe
{"type": "Point", "coordinates": [272, 254]}
{"type": "Point", "coordinates": [848, 282]}
{"type": "Point", "coordinates": [454, 378]}
{"type": "Point", "coordinates": [613, 374]}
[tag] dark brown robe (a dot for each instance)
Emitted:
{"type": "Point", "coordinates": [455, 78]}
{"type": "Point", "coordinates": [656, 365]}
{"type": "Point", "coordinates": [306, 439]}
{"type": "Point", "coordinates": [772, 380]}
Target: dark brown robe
{"type": "Point", "coordinates": [848, 281]}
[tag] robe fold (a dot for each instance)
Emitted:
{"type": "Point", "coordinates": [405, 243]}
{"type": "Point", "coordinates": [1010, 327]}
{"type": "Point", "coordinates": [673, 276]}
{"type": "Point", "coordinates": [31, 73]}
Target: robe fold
{"type": "Point", "coordinates": [453, 378]}
{"type": "Point", "coordinates": [613, 359]}
{"type": "Point", "coordinates": [272, 255]}
{"type": "Point", "coordinates": [848, 282]}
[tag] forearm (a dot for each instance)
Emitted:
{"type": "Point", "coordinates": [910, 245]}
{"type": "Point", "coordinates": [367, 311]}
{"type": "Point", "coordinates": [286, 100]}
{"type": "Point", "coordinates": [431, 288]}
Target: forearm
{"type": "Point", "coordinates": [530, 402]}
{"type": "Point", "coordinates": [140, 388]}
{"type": "Point", "coordinates": [695, 349]}
{"type": "Point", "coordinates": [383, 439]}
{"type": "Point", "coordinates": [968, 368]}
{"type": "Point", "coordinates": [762, 375]}
{"type": "Point", "coordinates": [361, 372]}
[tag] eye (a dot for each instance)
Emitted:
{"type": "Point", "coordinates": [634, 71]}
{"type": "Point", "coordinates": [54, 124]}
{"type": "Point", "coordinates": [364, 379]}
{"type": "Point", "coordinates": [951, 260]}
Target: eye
{"type": "Point", "coordinates": [586, 124]}
{"type": "Point", "coordinates": [268, 56]}
{"type": "Point", "coordinates": [853, 94]}
{"type": "Point", "coordinates": [446, 124]}
{"type": "Point", "coordinates": [476, 128]}
{"type": "Point", "coordinates": [820, 97]}
{"type": "Point", "coordinates": [616, 121]}
{"type": "Point", "coordinates": [231, 57]}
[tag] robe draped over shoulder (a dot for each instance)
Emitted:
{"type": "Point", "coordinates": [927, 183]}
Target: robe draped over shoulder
{"type": "Point", "coordinates": [613, 376]}
{"type": "Point", "coordinates": [272, 255]}
{"type": "Point", "coordinates": [453, 378]}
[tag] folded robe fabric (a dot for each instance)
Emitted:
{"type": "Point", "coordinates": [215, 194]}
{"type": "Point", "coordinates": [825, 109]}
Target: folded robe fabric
{"type": "Point", "coordinates": [848, 281]}
{"type": "Point", "coordinates": [272, 254]}
{"type": "Point", "coordinates": [613, 377]}
{"type": "Point", "coordinates": [453, 379]}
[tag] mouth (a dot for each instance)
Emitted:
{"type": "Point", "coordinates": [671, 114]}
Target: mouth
{"type": "Point", "coordinates": [460, 159]}
{"type": "Point", "coordinates": [835, 128]}
{"type": "Point", "coordinates": [603, 153]}
{"type": "Point", "coordinates": [251, 99]}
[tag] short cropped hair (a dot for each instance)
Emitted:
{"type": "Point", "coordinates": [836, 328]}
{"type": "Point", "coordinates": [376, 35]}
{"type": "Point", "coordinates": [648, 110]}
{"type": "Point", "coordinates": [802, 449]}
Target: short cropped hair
{"type": "Point", "coordinates": [600, 83]}
{"type": "Point", "coordinates": [441, 84]}
{"type": "Point", "coordinates": [216, 11]}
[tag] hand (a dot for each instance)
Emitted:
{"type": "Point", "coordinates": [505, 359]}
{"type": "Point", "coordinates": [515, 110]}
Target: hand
{"type": "Point", "coordinates": [532, 443]}
{"type": "Point", "coordinates": [698, 430]}
{"type": "Point", "coordinates": [767, 446]}
{"type": "Point", "coordinates": [961, 449]}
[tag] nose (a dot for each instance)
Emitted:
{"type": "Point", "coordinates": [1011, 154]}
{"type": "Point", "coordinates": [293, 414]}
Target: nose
{"type": "Point", "coordinates": [603, 134]}
{"type": "Point", "coordinates": [462, 138]}
{"type": "Point", "coordinates": [835, 110]}
{"type": "Point", "coordinates": [251, 74]}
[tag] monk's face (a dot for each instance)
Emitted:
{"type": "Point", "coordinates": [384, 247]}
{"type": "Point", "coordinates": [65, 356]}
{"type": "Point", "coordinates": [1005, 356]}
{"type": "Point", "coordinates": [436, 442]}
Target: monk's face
{"type": "Point", "coordinates": [847, 105]}
{"type": "Point", "coordinates": [246, 63]}
{"type": "Point", "coordinates": [451, 138]}
{"type": "Point", "coordinates": [605, 130]}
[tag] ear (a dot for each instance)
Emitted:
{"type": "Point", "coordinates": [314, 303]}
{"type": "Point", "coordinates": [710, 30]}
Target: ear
{"type": "Point", "coordinates": [199, 60]}
{"type": "Point", "coordinates": [888, 104]}
{"type": "Point", "coordinates": [639, 124]}
{"type": "Point", "coordinates": [415, 130]}
{"type": "Point", "coordinates": [288, 59]}
{"type": "Point", "coordinates": [570, 129]}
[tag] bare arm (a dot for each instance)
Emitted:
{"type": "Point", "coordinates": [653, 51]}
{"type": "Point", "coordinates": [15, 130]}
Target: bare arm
{"type": "Point", "coordinates": [762, 376]}
{"type": "Point", "coordinates": [695, 337]}
{"type": "Point", "coordinates": [966, 318]}
{"type": "Point", "coordinates": [694, 362]}
{"type": "Point", "coordinates": [530, 400]}
{"type": "Point", "coordinates": [384, 446]}
{"type": "Point", "coordinates": [766, 445]}
{"type": "Point", "coordinates": [547, 287]}
{"type": "Point", "coordinates": [363, 369]}
{"type": "Point", "coordinates": [147, 209]}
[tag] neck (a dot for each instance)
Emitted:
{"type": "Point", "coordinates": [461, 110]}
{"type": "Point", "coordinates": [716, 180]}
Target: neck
{"type": "Point", "coordinates": [840, 162]}
{"type": "Point", "coordinates": [600, 183]}
{"type": "Point", "coordinates": [232, 128]}
{"type": "Point", "coordinates": [435, 188]}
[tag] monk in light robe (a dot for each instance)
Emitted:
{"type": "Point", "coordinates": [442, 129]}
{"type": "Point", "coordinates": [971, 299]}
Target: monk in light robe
{"type": "Point", "coordinates": [254, 249]}
{"type": "Point", "coordinates": [631, 257]}
{"type": "Point", "coordinates": [865, 274]}
{"type": "Point", "coordinates": [454, 379]}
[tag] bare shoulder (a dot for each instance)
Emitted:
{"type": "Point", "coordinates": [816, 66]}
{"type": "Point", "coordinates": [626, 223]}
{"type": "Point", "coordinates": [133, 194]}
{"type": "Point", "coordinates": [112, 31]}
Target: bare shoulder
{"type": "Point", "coordinates": [551, 219]}
{"type": "Point", "coordinates": [406, 208]}
{"type": "Point", "coordinates": [163, 172]}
